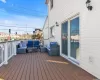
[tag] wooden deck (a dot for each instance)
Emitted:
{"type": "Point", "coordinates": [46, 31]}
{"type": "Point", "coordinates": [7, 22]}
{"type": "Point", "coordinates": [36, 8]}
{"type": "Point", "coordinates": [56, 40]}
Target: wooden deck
{"type": "Point", "coordinates": [40, 66]}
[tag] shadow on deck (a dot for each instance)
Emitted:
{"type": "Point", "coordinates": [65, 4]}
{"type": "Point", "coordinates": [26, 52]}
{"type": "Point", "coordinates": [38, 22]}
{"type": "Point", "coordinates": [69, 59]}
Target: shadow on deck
{"type": "Point", "coordinates": [40, 66]}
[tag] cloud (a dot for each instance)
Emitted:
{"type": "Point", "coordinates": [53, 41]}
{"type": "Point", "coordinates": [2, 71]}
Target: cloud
{"type": "Point", "coordinates": [4, 1]}
{"type": "Point", "coordinates": [8, 22]}
{"type": "Point", "coordinates": [35, 22]}
{"type": "Point", "coordinates": [18, 22]}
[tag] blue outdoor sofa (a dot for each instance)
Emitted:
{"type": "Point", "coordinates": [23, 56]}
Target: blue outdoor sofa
{"type": "Point", "coordinates": [33, 46]}
{"type": "Point", "coordinates": [29, 46]}
{"type": "Point", "coordinates": [21, 48]}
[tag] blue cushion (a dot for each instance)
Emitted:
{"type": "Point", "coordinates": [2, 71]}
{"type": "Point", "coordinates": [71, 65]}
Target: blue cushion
{"type": "Point", "coordinates": [30, 44]}
{"type": "Point", "coordinates": [21, 50]}
{"type": "Point", "coordinates": [36, 43]}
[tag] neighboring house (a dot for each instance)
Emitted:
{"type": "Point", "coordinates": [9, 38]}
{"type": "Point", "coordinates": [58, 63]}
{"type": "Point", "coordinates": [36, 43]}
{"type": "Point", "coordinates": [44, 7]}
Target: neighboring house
{"type": "Point", "coordinates": [38, 31]}
{"type": "Point", "coordinates": [76, 29]}
{"type": "Point", "coordinates": [5, 36]}
{"type": "Point", "coordinates": [46, 32]}
{"type": "Point", "coordinates": [37, 34]}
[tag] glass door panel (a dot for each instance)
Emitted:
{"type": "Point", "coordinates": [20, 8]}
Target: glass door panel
{"type": "Point", "coordinates": [74, 38]}
{"type": "Point", "coordinates": [64, 38]}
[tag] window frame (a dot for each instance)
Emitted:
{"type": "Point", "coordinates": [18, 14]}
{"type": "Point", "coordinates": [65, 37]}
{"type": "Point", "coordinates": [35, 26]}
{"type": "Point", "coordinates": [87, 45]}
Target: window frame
{"type": "Point", "coordinates": [51, 4]}
{"type": "Point", "coordinates": [51, 32]}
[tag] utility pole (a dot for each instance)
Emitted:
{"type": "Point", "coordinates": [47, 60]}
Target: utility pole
{"type": "Point", "coordinates": [26, 31]}
{"type": "Point", "coordinates": [16, 35]}
{"type": "Point", "coordinates": [9, 33]}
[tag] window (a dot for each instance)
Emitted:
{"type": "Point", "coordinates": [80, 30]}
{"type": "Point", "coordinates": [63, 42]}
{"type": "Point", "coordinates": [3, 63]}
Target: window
{"type": "Point", "coordinates": [64, 38]}
{"type": "Point", "coordinates": [52, 31]}
{"type": "Point", "coordinates": [51, 4]}
{"type": "Point", "coordinates": [74, 37]}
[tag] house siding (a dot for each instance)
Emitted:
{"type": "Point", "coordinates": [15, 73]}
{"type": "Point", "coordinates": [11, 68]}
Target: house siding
{"type": "Point", "coordinates": [89, 30]}
{"type": "Point", "coordinates": [45, 33]}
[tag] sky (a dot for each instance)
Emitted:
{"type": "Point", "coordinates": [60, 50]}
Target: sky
{"type": "Point", "coordinates": [22, 16]}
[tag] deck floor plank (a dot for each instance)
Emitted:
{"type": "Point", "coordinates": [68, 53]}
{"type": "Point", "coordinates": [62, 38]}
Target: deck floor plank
{"type": "Point", "coordinates": [28, 68]}
{"type": "Point", "coordinates": [45, 70]}
{"type": "Point", "coordinates": [16, 68]}
{"type": "Point", "coordinates": [35, 68]}
{"type": "Point", "coordinates": [52, 70]}
{"type": "Point", "coordinates": [25, 69]}
{"type": "Point", "coordinates": [10, 67]}
{"type": "Point", "coordinates": [55, 66]}
{"type": "Point", "coordinates": [50, 74]}
{"type": "Point", "coordinates": [44, 75]}
{"type": "Point", "coordinates": [7, 67]}
{"type": "Point", "coordinates": [32, 68]}
{"type": "Point", "coordinates": [60, 68]}
{"type": "Point", "coordinates": [40, 66]}
{"type": "Point", "coordinates": [19, 70]}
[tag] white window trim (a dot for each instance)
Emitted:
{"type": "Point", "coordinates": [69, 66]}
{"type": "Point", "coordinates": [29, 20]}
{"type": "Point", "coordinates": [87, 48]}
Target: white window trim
{"type": "Point", "coordinates": [52, 33]}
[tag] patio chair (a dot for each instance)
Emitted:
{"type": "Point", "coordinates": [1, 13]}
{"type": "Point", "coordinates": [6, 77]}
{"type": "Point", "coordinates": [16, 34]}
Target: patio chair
{"type": "Point", "coordinates": [53, 49]}
{"type": "Point", "coordinates": [30, 46]}
{"type": "Point", "coordinates": [36, 44]}
{"type": "Point", "coordinates": [21, 47]}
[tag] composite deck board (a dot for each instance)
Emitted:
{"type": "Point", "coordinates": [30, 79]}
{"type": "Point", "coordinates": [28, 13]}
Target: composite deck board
{"type": "Point", "coordinates": [61, 77]}
{"type": "Point", "coordinates": [19, 70]}
{"type": "Point", "coordinates": [35, 68]}
{"type": "Point", "coordinates": [25, 69]}
{"type": "Point", "coordinates": [40, 66]}
{"type": "Point", "coordinates": [32, 68]}
{"type": "Point", "coordinates": [44, 75]}
{"type": "Point", "coordinates": [44, 66]}
{"type": "Point", "coordinates": [8, 68]}
{"type": "Point", "coordinates": [53, 70]}
{"type": "Point", "coordinates": [5, 68]}
{"type": "Point", "coordinates": [12, 70]}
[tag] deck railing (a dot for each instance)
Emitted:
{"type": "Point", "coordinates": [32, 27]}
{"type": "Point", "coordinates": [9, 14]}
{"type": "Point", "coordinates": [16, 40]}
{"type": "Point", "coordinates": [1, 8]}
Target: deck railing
{"type": "Point", "coordinates": [7, 51]}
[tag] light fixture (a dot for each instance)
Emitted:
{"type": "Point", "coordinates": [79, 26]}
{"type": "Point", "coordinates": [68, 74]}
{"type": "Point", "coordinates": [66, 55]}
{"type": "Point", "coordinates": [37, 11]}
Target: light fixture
{"type": "Point", "coordinates": [88, 5]}
{"type": "Point", "coordinates": [57, 24]}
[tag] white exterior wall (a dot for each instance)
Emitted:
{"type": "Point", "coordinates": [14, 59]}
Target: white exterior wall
{"type": "Point", "coordinates": [45, 33]}
{"type": "Point", "coordinates": [89, 30]}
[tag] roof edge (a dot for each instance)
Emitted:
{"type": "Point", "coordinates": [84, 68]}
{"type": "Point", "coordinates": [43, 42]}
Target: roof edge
{"type": "Point", "coordinates": [44, 23]}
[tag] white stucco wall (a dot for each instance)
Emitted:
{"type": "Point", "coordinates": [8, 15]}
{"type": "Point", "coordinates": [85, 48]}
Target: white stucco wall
{"type": "Point", "coordinates": [89, 30]}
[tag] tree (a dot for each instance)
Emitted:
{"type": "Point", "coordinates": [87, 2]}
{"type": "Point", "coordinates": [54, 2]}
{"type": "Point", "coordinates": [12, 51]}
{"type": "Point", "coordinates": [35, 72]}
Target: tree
{"type": "Point", "coordinates": [33, 36]}
{"type": "Point", "coordinates": [36, 36]}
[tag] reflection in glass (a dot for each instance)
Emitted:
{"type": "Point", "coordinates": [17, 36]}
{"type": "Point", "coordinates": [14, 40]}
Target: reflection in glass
{"type": "Point", "coordinates": [65, 38]}
{"type": "Point", "coordinates": [74, 38]}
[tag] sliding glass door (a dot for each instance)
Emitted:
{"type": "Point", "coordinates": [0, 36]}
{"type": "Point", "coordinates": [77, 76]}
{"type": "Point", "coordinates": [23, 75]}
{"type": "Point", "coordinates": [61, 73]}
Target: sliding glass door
{"type": "Point", "coordinates": [70, 38]}
{"type": "Point", "coordinates": [74, 38]}
{"type": "Point", "coordinates": [64, 38]}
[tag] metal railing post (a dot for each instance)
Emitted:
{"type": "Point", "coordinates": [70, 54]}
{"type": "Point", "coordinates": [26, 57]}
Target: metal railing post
{"type": "Point", "coordinates": [6, 53]}
{"type": "Point", "coordinates": [14, 44]}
